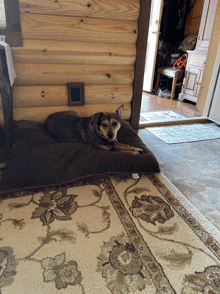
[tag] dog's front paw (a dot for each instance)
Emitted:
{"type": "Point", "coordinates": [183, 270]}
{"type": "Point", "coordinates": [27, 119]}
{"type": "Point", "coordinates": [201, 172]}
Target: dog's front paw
{"type": "Point", "coordinates": [137, 151]}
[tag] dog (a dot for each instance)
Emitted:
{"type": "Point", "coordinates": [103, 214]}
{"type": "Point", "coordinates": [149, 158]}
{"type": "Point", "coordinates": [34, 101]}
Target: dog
{"type": "Point", "coordinates": [100, 129]}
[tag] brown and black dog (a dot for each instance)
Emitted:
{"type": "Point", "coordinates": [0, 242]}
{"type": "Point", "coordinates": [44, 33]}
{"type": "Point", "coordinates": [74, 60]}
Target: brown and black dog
{"type": "Point", "coordinates": [99, 129]}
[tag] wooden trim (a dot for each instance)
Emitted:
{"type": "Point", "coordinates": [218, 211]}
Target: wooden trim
{"type": "Point", "coordinates": [203, 99]}
{"type": "Point", "coordinates": [12, 32]}
{"type": "Point", "coordinates": [7, 99]}
{"type": "Point", "coordinates": [143, 25]}
{"type": "Point", "coordinates": [181, 121]}
{"type": "Point", "coordinates": [213, 84]}
{"type": "Point", "coordinates": [14, 39]}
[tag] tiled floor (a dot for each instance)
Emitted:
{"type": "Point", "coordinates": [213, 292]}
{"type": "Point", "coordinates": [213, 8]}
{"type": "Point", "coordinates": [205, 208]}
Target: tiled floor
{"type": "Point", "coordinates": [194, 168]}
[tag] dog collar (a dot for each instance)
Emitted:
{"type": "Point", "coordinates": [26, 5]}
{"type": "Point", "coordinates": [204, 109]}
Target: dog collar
{"type": "Point", "coordinates": [100, 135]}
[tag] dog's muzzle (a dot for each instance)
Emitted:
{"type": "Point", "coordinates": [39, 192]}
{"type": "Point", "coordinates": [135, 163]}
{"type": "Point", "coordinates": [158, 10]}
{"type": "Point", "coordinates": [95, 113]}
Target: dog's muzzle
{"type": "Point", "coordinates": [110, 136]}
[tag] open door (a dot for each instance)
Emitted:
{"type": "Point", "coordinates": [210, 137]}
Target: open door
{"type": "Point", "coordinates": [152, 43]}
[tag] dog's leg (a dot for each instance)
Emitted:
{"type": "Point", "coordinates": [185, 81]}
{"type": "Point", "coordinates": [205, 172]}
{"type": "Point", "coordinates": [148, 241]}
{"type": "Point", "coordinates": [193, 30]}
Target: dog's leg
{"type": "Point", "coordinates": [127, 148]}
{"type": "Point", "coordinates": [102, 147]}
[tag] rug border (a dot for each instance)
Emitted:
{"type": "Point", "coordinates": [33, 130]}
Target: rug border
{"type": "Point", "coordinates": [135, 236]}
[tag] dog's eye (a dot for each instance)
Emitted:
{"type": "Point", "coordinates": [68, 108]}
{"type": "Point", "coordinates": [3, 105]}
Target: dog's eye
{"type": "Point", "coordinates": [115, 124]}
{"type": "Point", "coordinates": [104, 125]}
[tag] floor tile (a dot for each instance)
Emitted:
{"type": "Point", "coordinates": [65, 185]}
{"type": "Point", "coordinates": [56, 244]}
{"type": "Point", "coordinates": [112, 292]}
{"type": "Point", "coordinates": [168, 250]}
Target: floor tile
{"type": "Point", "coordinates": [194, 168]}
{"type": "Point", "coordinates": [214, 218]}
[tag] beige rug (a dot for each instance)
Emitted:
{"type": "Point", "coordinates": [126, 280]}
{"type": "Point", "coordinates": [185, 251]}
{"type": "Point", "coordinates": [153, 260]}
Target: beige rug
{"type": "Point", "coordinates": [108, 235]}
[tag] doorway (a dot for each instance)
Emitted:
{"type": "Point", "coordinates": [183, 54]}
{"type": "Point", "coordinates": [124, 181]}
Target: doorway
{"type": "Point", "coordinates": [152, 44]}
{"type": "Point", "coordinates": [161, 105]}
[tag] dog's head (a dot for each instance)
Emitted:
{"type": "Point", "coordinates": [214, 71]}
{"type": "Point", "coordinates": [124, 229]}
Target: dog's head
{"type": "Point", "coordinates": [107, 124]}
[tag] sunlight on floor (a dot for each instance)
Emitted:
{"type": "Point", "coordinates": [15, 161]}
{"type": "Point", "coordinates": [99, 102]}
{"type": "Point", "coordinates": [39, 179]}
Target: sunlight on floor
{"type": "Point", "coordinates": [151, 102]}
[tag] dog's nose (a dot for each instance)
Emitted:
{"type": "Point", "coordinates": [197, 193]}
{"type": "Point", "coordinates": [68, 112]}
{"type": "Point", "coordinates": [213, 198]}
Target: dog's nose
{"type": "Point", "coordinates": [110, 135]}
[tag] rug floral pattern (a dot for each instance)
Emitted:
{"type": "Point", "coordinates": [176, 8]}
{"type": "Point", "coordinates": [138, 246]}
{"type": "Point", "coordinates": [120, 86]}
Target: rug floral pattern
{"type": "Point", "coordinates": [108, 235]}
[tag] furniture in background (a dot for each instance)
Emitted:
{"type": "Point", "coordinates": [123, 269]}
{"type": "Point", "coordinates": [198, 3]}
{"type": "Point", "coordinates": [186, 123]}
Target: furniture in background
{"type": "Point", "coordinates": [197, 58]}
{"type": "Point", "coordinates": [170, 72]}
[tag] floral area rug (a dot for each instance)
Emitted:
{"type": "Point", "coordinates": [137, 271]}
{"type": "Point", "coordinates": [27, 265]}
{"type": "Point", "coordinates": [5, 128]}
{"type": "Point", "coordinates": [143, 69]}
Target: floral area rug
{"type": "Point", "coordinates": [107, 235]}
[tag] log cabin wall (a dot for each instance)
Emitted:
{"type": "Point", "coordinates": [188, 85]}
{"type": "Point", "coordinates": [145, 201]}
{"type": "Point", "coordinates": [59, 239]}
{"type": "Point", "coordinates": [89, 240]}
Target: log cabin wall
{"type": "Point", "coordinates": [90, 41]}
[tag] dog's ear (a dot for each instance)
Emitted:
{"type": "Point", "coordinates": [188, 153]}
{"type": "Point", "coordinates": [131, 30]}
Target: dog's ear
{"type": "Point", "coordinates": [95, 118]}
{"type": "Point", "coordinates": [120, 111]}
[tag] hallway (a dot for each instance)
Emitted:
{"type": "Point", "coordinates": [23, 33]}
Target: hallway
{"type": "Point", "coordinates": [152, 102]}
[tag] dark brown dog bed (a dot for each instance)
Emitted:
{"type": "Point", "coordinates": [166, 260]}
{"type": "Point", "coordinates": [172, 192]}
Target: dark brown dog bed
{"type": "Point", "coordinates": [37, 160]}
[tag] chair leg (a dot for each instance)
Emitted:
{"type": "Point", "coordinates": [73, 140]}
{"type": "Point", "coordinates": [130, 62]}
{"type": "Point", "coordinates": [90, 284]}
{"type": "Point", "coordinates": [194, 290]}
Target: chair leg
{"type": "Point", "coordinates": [173, 88]}
{"type": "Point", "coordinates": [157, 82]}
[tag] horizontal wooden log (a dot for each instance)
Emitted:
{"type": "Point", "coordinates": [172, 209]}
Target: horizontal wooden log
{"type": "Point", "coordinates": [60, 74]}
{"type": "Point", "coordinates": [78, 29]}
{"type": "Point", "coordinates": [42, 51]}
{"type": "Point", "coordinates": [39, 114]}
{"type": "Point", "coordinates": [114, 9]}
{"type": "Point", "coordinates": [84, 47]}
{"type": "Point", "coordinates": [60, 58]}
{"type": "Point", "coordinates": [96, 94]}
{"type": "Point", "coordinates": [47, 96]}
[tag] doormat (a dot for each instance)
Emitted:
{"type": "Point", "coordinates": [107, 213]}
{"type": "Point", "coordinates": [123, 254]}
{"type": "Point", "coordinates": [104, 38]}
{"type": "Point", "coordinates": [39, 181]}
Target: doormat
{"type": "Point", "coordinates": [107, 235]}
{"type": "Point", "coordinates": [159, 116]}
{"type": "Point", "coordinates": [184, 133]}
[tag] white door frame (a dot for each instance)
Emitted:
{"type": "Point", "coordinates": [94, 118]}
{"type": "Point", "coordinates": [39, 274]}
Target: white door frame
{"type": "Point", "coordinates": [212, 86]}
{"type": "Point", "coordinates": [152, 44]}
